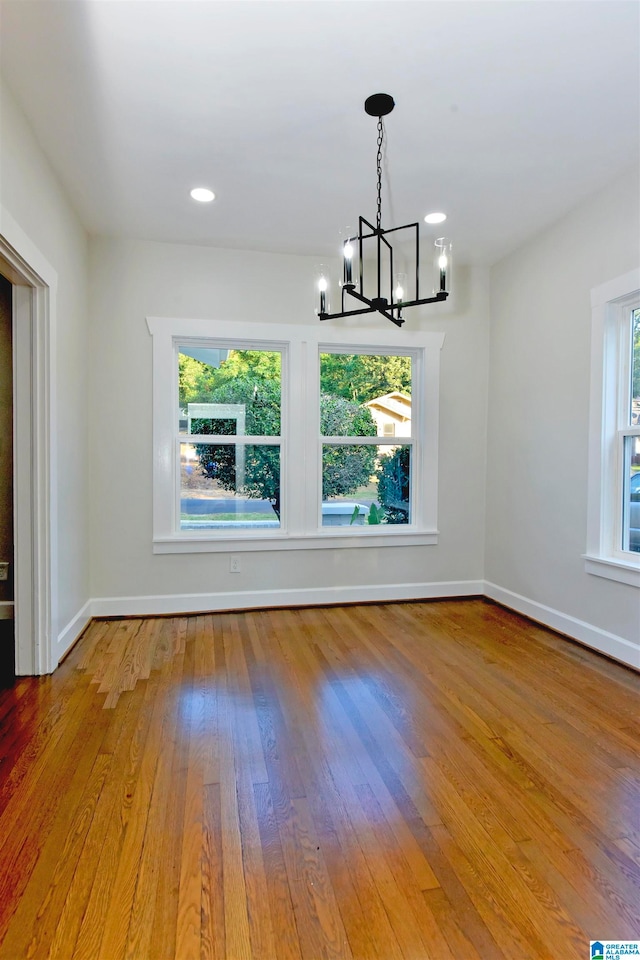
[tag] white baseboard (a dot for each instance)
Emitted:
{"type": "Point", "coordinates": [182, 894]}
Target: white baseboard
{"type": "Point", "coordinates": [608, 643]}
{"type": "Point", "coordinates": [196, 602]}
{"type": "Point", "coordinates": [68, 636]}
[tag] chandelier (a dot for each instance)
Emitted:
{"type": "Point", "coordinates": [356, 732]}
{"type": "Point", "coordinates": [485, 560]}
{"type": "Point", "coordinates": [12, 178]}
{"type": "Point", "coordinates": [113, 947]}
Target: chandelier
{"type": "Point", "coordinates": [375, 244]}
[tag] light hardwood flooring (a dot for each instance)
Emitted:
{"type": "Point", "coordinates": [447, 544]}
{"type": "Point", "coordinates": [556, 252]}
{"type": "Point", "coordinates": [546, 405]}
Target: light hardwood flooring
{"type": "Point", "coordinates": [427, 781]}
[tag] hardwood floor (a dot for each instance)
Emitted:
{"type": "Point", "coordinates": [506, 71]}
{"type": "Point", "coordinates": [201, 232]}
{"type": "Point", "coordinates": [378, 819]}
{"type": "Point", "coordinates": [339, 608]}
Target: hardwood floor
{"type": "Point", "coordinates": [420, 780]}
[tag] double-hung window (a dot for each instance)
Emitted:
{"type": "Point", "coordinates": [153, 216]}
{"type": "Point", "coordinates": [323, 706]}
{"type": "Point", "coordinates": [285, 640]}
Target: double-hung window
{"type": "Point", "coordinates": [281, 437]}
{"type": "Point", "coordinates": [613, 546]}
{"type": "Point", "coordinates": [368, 425]}
{"type": "Point", "coordinates": [628, 454]}
{"type": "Point", "coordinates": [229, 436]}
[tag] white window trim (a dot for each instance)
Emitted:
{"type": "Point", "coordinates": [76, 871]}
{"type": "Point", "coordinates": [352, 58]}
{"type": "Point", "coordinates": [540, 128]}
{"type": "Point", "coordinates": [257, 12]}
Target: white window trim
{"type": "Point", "coordinates": [611, 303]}
{"type": "Point", "coordinates": [301, 346]}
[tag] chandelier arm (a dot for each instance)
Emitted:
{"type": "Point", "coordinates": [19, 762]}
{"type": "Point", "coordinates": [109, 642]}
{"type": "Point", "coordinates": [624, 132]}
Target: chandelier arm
{"type": "Point", "coordinates": [436, 298]}
{"type": "Point", "coordinates": [346, 313]}
{"type": "Point", "coordinates": [381, 306]}
{"type": "Point", "coordinates": [371, 308]}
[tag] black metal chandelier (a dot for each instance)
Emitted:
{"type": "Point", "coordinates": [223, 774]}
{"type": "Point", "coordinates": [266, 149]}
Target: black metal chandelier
{"type": "Point", "coordinates": [374, 240]}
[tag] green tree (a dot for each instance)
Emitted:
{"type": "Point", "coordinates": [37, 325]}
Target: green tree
{"type": "Point", "coordinates": [260, 478]}
{"type": "Point", "coordinates": [198, 381]}
{"type": "Point", "coordinates": [393, 485]}
{"type": "Point", "coordinates": [361, 377]}
{"type": "Point", "coordinates": [261, 364]}
{"type": "Point", "coordinates": [356, 377]}
{"type": "Point", "coordinates": [345, 468]}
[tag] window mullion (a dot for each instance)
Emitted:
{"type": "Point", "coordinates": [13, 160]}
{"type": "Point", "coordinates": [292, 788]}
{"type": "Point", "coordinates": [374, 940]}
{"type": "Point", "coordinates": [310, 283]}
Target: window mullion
{"type": "Point", "coordinates": [372, 441]}
{"type": "Point", "coordinates": [239, 439]}
{"type": "Point", "coordinates": [295, 428]}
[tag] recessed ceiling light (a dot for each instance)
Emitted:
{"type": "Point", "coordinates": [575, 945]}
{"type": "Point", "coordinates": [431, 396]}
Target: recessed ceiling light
{"type": "Point", "coordinates": [435, 218]}
{"type": "Point", "coordinates": [202, 194]}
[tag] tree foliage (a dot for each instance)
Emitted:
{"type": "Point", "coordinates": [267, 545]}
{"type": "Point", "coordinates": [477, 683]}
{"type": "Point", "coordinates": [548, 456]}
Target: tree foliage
{"type": "Point", "coordinates": [347, 381]}
{"type": "Point", "coordinates": [259, 477]}
{"type": "Point", "coordinates": [345, 468]}
{"type": "Point", "coordinates": [393, 485]}
{"type": "Point", "coordinates": [197, 381]}
{"type": "Point", "coordinates": [361, 377]}
{"type": "Point", "coordinates": [261, 401]}
{"type": "Point", "coordinates": [340, 417]}
{"type": "Point", "coordinates": [258, 364]}
{"type": "Point", "coordinates": [356, 377]}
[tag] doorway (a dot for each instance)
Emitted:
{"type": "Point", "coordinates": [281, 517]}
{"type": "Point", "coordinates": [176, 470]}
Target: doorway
{"type": "Point", "coordinates": [32, 285]}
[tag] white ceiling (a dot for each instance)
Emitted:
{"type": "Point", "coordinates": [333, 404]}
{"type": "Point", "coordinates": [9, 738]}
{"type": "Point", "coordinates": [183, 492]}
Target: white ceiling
{"type": "Point", "coordinates": [508, 113]}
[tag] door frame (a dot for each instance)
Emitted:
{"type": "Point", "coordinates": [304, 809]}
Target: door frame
{"type": "Point", "coordinates": [34, 448]}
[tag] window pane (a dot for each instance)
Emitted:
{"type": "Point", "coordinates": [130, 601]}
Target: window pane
{"type": "Point", "coordinates": [635, 368]}
{"type": "Point", "coordinates": [229, 392]}
{"type": "Point", "coordinates": [230, 485]}
{"type": "Point", "coordinates": [365, 395]}
{"type": "Point", "coordinates": [631, 510]}
{"type": "Point", "coordinates": [365, 484]}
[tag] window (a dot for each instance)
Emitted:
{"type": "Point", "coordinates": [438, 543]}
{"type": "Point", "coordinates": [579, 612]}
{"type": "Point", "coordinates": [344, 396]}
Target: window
{"type": "Point", "coordinates": [629, 432]}
{"type": "Point", "coordinates": [365, 478]}
{"type": "Point", "coordinates": [613, 547]}
{"type": "Point", "coordinates": [229, 437]}
{"type": "Point", "coordinates": [298, 440]}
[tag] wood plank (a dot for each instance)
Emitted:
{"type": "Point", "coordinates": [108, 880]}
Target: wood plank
{"type": "Point", "coordinates": [189, 912]}
{"type": "Point", "coordinates": [236, 917]}
{"type": "Point", "coordinates": [119, 736]}
{"type": "Point", "coordinates": [212, 927]}
{"type": "Point", "coordinates": [115, 927]}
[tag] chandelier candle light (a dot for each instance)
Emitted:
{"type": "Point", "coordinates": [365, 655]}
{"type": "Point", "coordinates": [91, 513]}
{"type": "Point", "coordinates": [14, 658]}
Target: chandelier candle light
{"type": "Point", "coordinates": [398, 299]}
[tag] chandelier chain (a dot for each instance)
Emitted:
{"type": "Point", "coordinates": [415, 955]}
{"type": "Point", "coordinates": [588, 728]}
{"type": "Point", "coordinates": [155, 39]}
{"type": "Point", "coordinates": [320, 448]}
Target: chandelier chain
{"type": "Point", "coordinates": [379, 171]}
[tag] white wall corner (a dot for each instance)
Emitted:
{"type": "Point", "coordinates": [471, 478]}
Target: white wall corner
{"type": "Point", "coordinates": [601, 640]}
{"type": "Point", "coordinates": [68, 636]}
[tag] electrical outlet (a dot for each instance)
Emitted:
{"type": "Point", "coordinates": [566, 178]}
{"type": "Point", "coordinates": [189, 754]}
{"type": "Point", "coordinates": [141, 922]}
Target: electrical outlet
{"type": "Point", "coordinates": [4, 571]}
{"type": "Point", "coordinates": [235, 565]}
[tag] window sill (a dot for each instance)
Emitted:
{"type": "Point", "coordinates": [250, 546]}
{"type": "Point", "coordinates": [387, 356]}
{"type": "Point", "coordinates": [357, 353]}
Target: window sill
{"type": "Point", "coordinates": [319, 541]}
{"type": "Point", "coordinates": [624, 571]}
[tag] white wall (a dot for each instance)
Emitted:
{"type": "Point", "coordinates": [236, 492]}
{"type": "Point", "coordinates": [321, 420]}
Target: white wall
{"type": "Point", "coordinates": [534, 459]}
{"type": "Point", "coordinates": [539, 413]}
{"type": "Point", "coordinates": [30, 192]}
{"type": "Point", "coordinates": [134, 279]}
